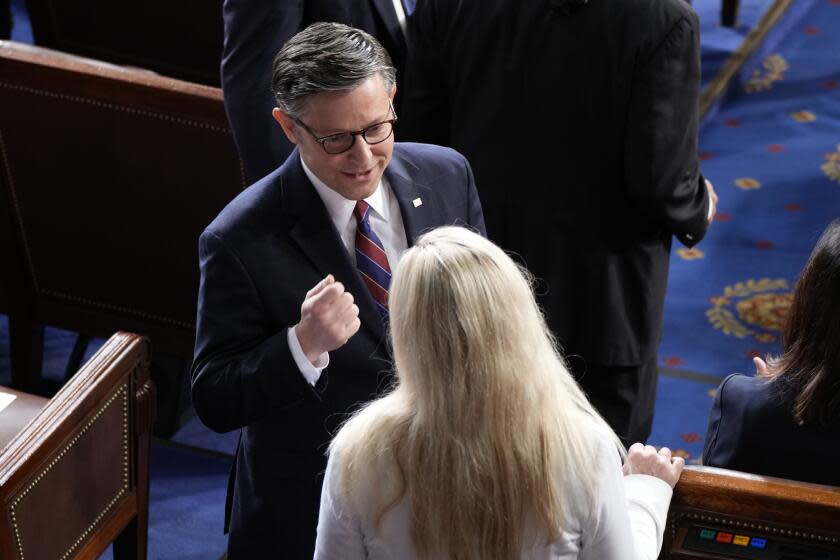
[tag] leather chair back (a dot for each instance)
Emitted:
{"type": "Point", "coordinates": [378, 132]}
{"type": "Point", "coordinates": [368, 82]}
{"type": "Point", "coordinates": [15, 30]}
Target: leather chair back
{"type": "Point", "coordinates": [108, 176]}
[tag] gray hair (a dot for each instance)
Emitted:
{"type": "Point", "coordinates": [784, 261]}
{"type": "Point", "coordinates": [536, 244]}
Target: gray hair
{"type": "Point", "coordinates": [326, 57]}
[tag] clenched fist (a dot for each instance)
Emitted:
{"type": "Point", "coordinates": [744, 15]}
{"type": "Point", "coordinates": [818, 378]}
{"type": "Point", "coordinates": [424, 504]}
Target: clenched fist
{"type": "Point", "coordinates": [328, 318]}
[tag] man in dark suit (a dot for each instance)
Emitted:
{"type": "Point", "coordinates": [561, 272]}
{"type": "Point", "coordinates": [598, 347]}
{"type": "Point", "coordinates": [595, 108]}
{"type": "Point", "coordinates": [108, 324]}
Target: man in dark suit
{"type": "Point", "coordinates": [294, 274]}
{"type": "Point", "coordinates": [580, 121]}
{"type": "Point", "coordinates": [254, 32]}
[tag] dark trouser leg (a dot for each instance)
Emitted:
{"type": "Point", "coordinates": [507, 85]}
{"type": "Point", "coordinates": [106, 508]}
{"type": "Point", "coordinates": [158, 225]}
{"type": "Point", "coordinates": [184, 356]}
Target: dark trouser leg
{"type": "Point", "coordinates": [26, 347]}
{"type": "Point", "coordinates": [290, 533]}
{"type": "Point", "coordinates": [624, 396]}
{"type": "Point", "coordinates": [5, 19]}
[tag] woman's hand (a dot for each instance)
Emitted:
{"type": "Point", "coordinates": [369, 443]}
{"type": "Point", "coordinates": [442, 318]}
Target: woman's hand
{"type": "Point", "coordinates": [645, 459]}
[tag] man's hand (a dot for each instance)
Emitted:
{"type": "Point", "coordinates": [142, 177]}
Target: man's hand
{"type": "Point", "coordinates": [644, 459]}
{"type": "Point", "coordinates": [713, 200]}
{"type": "Point", "coordinates": [328, 318]}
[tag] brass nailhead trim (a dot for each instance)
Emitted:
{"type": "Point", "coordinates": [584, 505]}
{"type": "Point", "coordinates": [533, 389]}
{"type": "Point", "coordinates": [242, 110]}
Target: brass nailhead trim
{"type": "Point", "coordinates": [113, 107]}
{"type": "Point", "coordinates": [123, 391]}
{"type": "Point", "coordinates": [118, 308]}
{"type": "Point", "coordinates": [159, 116]}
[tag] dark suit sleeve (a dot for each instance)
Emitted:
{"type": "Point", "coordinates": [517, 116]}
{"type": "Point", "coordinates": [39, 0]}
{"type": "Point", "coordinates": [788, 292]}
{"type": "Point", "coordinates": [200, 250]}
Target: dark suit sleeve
{"type": "Point", "coordinates": [254, 31]}
{"type": "Point", "coordinates": [425, 103]}
{"type": "Point", "coordinates": [718, 448]}
{"type": "Point", "coordinates": [663, 172]}
{"type": "Point", "coordinates": [241, 368]}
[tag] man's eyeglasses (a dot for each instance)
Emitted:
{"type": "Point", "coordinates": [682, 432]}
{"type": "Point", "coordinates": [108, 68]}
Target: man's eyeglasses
{"type": "Point", "coordinates": [343, 141]}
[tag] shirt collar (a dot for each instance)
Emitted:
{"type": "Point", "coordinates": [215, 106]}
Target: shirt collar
{"type": "Point", "coordinates": [339, 208]}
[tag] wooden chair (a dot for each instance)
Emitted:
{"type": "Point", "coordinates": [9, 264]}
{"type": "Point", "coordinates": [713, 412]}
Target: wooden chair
{"type": "Point", "coordinates": [108, 176]}
{"type": "Point", "coordinates": [74, 470]}
{"type": "Point", "coordinates": [721, 514]}
{"type": "Point", "coordinates": [178, 39]}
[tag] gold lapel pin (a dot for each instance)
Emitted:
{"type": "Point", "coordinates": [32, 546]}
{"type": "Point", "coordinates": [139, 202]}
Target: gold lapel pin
{"type": "Point", "coordinates": [417, 202]}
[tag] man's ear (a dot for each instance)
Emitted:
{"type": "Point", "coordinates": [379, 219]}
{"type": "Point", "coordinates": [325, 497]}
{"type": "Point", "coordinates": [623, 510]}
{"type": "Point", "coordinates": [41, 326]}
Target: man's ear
{"type": "Point", "coordinates": [287, 123]}
{"type": "Point", "coordinates": [393, 91]}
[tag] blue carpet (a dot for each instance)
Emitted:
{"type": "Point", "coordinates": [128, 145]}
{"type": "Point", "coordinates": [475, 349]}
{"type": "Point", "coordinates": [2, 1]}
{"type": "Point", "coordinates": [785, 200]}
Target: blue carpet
{"type": "Point", "coordinates": [186, 519]}
{"type": "Point", "coordinates": [718, 42]}
{"type": "Point", "coordinates": [770, 151]}
{"type": "Point", "coordinates": [21, 29]}
{"type": "Point", "coordinates": [682, 411]}
{"type": "Point", "coordinates": [773, 152]}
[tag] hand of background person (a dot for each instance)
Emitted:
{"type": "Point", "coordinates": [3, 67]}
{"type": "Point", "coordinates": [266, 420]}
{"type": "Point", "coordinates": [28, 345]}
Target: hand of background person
{"type": "Point", "coordinates": [328, 318]}
{"type": "Point", "coordinates": [644, 459]}
{"type": "Point", "coordinates": [760, 367]}
{"type": "Point", "coordinates": [713, 200]}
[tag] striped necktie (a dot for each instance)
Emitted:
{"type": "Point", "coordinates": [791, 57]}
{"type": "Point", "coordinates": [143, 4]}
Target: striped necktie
{"type": "Point", "coordinates": [371, 259]}
{"type": "Point", "coordinates": [408, 6]}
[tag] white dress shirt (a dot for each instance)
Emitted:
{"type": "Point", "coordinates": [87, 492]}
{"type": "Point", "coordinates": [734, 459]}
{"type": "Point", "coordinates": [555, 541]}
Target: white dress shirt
{"type": "Point", "coordinates": [385, 219]}
{"type": "Point", "coordinates": [400, 11]}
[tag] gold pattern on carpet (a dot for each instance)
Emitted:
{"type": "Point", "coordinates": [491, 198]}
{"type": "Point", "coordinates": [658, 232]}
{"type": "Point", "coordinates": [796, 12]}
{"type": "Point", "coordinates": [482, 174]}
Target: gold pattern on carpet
{"type": "Point", "coordinates": [831, 167]}
{"type": "Point", "coordinates": [755, 308]}
{"type": "Point", "coordinates": [772, 70]}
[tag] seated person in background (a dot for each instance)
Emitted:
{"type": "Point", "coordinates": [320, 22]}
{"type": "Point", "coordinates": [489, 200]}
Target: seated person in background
{"type": "Point", "coordinates": [486, 447]}
{"type": "Point", "coordinates": [785, 422]}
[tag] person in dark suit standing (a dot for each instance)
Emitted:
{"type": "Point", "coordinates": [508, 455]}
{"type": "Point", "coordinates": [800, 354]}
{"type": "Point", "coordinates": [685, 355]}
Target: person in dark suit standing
{"type": "Point", "coordinates": [580, 121]}
{"type": "Point", "coordinates": [785, 421]}
{"type": "Point", "coordinates": [254, 32]}
{"type": "Point", "coordinates": [292, 304]}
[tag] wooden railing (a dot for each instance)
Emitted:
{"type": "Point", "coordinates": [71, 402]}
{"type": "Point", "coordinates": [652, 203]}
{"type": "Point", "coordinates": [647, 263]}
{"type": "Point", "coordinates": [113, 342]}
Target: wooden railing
{"type": "Point", "coordinates": [721, 514]}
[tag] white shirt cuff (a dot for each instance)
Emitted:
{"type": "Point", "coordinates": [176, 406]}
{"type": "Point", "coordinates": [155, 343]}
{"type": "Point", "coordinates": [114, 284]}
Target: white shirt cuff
{"type": "Point", "coordinates": [311, 372]}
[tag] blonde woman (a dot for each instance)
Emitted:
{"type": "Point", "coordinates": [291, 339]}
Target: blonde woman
{"type": "Point", "coordinates": [485, 448]}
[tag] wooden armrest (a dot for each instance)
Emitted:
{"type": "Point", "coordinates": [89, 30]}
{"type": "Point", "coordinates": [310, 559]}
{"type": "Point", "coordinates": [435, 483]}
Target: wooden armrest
{"type": "Point", "coordinates": [784, 515]}
{"type": "Point", "coordinates": [29, 54]}
{"type": "Point", "coordinates": [138, 165]}
{"type": "Point", "coordinates": [77, 475]}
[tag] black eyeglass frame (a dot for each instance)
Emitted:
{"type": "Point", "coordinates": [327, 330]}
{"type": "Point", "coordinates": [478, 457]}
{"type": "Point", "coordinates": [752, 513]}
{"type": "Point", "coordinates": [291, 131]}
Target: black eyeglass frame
{"type": "Point", "coordinates": [322, 139]}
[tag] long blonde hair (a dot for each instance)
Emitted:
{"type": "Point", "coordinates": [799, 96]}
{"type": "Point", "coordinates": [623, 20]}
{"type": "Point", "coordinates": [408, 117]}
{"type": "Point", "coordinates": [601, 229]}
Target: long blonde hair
{"type": "Point", "coordinates": [484, 420]}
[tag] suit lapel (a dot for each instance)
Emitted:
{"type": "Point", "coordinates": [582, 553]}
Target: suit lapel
{"type": "Point", "coordinates": [317, 238]}
{"type": "Point", "coordinates": [417, 205]}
